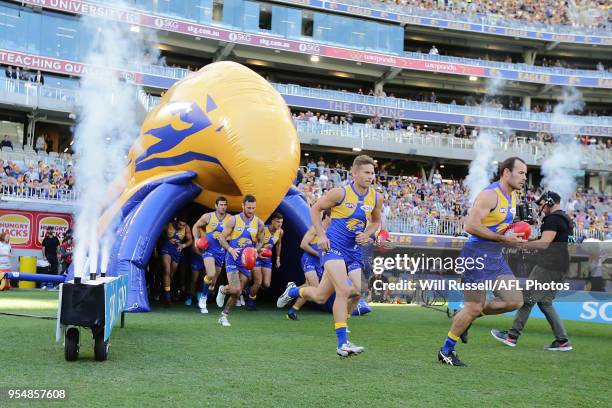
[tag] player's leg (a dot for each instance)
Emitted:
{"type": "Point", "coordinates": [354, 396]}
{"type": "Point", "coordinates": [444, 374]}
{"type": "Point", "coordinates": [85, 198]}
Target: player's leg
{"type": "Point", "coordinates": [473, 305]}
{"type": "Point", "coordinates": [175, 277]}
{"type": "Point", "coordinates": [505, 300]}
{"type": "Point", "coordinates": [210, 272]}
{"type": "Point", "coordinates": [166, 277]}
{"type": "Point", "coordinates": [233, 288]}
{"type": "Point", "coordinates": [312, 280]}
{"type": "Point", "coordinates": [355, 295]}
{"type": "Point", "coordinates": [266, 277]}
{"type": "Point", "coordinates": [193, 285]}
{"type": "Point", "coordinates": [318, 294]}
{"type": "Point", "coordinates": [336, 270]}
{"type": "Point", "coordinates": [257, 275]}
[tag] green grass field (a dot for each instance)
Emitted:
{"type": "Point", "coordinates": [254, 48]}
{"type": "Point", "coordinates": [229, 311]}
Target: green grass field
{"type": "Point", "coordinates": [178, 357]}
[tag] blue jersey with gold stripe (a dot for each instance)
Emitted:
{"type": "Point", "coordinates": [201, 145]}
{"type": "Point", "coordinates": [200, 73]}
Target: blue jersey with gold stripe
{"type": "Point", "coordinates": [213, 230]}
{"type": "Point", "coordinates": [270, 239]}
{"type": "Point", "coordinates": [245, 232]}
{"type": "Point", "coordinates": [175, 235]}
{"type": "Point", "coordinates": [350, 217]}
{"type": "Point", "coordinates": [498, 219]}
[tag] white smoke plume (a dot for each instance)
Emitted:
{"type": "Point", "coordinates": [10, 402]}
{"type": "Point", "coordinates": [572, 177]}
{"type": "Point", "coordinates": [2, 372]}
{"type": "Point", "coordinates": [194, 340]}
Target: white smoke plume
{"type": "Point", "coordinates": [560, 167]}
{"type": "Point", "coordinates": [107, 126]}
{"type": "Point", "coordinates": [482, 168]}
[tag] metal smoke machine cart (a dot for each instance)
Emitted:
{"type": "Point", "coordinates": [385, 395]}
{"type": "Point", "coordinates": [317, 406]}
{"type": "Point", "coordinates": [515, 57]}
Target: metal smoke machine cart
{"type": "Point", "coordinates": [96, 304]}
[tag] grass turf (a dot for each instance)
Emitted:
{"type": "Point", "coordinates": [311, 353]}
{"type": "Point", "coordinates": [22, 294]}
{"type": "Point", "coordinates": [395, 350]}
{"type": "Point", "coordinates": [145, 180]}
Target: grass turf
{"type": "Point", "coordinates": [178, 357]}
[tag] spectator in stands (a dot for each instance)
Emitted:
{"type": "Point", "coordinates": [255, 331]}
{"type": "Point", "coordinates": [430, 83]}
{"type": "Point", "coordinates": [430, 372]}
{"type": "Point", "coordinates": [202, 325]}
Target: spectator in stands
{"type": "Point", "coordinates": [321, 165]}
{"type": "Point", "coordinates": [40, 143]}
{"type": "Point", "coordinates": [433, 50]}
{"type": "Point", "coordinates": [39, 79]}
{"type": "Point", "coordinates": [6, 142]}
{"type": "Point", "coordinates": [437, 179]}
{"type": "Point", "coordinates": [349, 117]}
{"type": "Point", "coordinates": [32, 173]}
{"type": "Point", "coordinates": [50, 245]}
{"type": "Point", "coordinates": [48, 143]}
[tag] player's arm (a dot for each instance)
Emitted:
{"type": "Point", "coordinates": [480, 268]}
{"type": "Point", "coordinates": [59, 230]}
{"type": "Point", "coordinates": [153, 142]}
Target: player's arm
{"type": "Point", "coordinates": [549, 232]}
{"type": "Point", "coordinates": [305, 244]}
{"type": "Point", "coordinates": [278, 248]}
{"type": "Point", "coordinates": [225, 234]}
{"type": "Point", "coordinates": [543, 242]}
{"type": "Point", "coordinates": [485, 201]}
{"type": "Point", "coordinates": [329, 200]}
{"type": "Point", "coordinates": [260, 236]}
{"type": "Point", "coordinates": [188, 239]}
{"type": "Point", "coordinates": [201, 223]}
{"type": "Point", "coordinates": [363, 238]}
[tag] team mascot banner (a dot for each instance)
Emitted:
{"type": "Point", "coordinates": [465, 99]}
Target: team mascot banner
{"type": "Point", "coordinates": [221, 131]}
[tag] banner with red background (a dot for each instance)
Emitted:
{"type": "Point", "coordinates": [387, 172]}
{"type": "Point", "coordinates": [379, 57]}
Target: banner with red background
{"type": "Point", "coordinates": [27, 229]}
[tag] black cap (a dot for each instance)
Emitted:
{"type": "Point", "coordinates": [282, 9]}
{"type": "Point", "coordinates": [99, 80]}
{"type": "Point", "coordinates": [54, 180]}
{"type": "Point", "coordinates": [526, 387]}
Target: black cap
{"type": "Point", "coordinates": [556, 198]}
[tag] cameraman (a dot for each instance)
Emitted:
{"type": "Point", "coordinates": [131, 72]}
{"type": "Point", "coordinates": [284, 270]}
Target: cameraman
{"type": "Point", "coordinates": [552, 263]}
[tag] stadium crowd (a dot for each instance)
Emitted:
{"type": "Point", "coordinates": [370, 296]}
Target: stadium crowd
{"type": "Point", "coordinates": [439, 206]}
{"type": "Point", "coordinates": [40, 180]}
{"type": "Point", "coordinates": [576, 13]}
{"type": "Point", "coordinates": [376, 122]}
{"type": "Point", "coordinates": [435, 206]}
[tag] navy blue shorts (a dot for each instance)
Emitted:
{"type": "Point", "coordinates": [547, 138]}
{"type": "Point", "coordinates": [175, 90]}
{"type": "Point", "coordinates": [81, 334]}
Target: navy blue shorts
{"type": "Point", "coordinates": [489, 262]}
{"type": "Point", "coordinates": [196, 263]}
{"type": "Point", "coordinates": [351, 257]}
{"type": "Point", "coordinates": [218, 256]}
{"type": "Point", "coordinates": [264, 263]}
{"type": "Point", "coordinates": [235, 266]}
{"type": "Point", "coordinates": [312, 263]}
{"type": "Point", "coordinates": [167, 248]}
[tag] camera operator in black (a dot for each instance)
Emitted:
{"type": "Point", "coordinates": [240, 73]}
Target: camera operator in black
{"type": "Point", "coordinates": [552, 263]}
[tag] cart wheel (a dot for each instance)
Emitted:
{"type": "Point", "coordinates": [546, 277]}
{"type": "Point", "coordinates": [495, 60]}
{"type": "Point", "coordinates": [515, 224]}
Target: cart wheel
{"type": "Point", "coordinates": [71, 344]}
{"type": "Point", "coordinates": [100, 347]}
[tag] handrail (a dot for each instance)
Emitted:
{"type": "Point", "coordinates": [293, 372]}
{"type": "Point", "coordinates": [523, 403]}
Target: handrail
{"type": "Point", "coordinates": [37, 193]}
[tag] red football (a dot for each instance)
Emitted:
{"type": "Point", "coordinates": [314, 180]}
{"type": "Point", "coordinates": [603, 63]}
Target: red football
{"type": "Point", "coordinates": [266, 252]}
{"type": "Point", "coordinates": [202, 244]}
{"type": "Point", "coordinates": [248, 258]}
{"type": "Point", "coordinates": [383, 236]}
{"type": "Point", "coordinates": [519, 227]}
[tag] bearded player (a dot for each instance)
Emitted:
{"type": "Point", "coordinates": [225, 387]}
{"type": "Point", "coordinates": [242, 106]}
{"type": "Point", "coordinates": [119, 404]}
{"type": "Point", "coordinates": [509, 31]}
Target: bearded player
{"type": "Point", "coordinates": [492, 212]}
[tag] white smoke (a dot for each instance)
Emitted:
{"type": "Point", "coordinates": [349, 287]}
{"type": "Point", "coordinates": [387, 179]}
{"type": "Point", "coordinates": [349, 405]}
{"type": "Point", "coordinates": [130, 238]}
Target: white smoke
{"type": "Point", "coordinates": [559, 168]}
{"type": "Point", "coordinates": [483, 168]}
{"type": "Point", "coordinates": [107, 125]}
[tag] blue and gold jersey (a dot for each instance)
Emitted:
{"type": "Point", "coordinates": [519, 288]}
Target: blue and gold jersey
{"type": "Point", "coordinates": [270, 239]}
{"type": "Point", "coordinates": [314, 243]}
{"type": "Point", "coordinates": [498, 219]}
{"type": "Point", "coordinates": [350, 216]}
{"type": "Point", "coordinates": [213, 230]}
{"type": "Point", "coordinates": [245, 232]}
{"type": "Point", "coordinates": [175, 235]}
